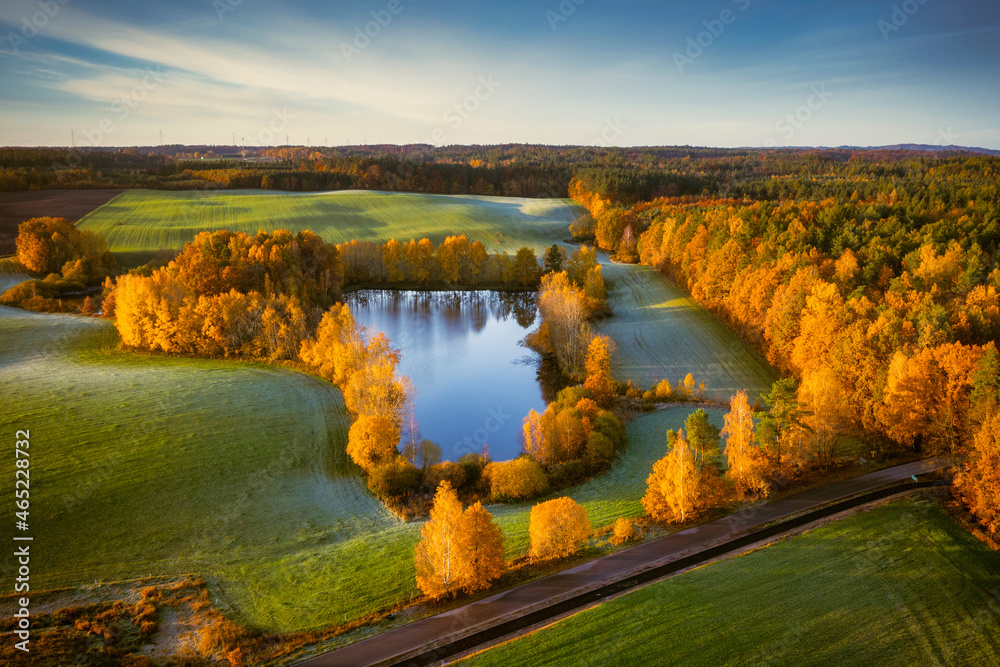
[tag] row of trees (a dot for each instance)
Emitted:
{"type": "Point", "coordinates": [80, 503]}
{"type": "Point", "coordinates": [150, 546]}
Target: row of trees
{"type": "Point", "coordinates": [464, 549]}
{"type": "Point", "coordinates": [455, 261]}
{"type": "Point", "coordinates": [229, 294]}
{"type": "Point", "coordinates": [695, 476]}
{"type": "Point", "coordinates": [568, 300]}
{"type": "Point", "coordinates": [884, 313]}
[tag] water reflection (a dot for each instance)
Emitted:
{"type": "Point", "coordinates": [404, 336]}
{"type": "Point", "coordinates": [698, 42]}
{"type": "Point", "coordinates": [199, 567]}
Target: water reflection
{"type": "Point", "coordinates": [463, 352]}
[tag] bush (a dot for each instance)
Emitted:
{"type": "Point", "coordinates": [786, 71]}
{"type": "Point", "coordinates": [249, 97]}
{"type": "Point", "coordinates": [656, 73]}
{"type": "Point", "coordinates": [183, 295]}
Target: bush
{"type": "Point", "coordinates": [473, 465]}
{"type": "Point", "coordinates": [567, 474]}
{"type": "Point", "coordinates": [453, 473]}
{"type": "Point", "coordinates": [394, 479]}
{"type": "Point", "coordinates": [600, 449]}
{"type": "Point", "coordinates": [623, 531]}
{"type": "Point", "coordinates": [515, 480]}
{"type": "Point", "coordinates": [558, 528]}
{"type": "Point", "coordinates": [609, 425]}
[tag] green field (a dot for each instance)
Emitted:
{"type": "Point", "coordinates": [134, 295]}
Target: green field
{"type": "Point", "coordinates": [156, 465]}
{"type": "Point", "coordinates": [901, 584]}
{"type": "Point", "coordinates": [236, 471]}
{"type": "Point", "coordinates": [661, 332]}
{"type": "Point", "coordinates": [139, 223]}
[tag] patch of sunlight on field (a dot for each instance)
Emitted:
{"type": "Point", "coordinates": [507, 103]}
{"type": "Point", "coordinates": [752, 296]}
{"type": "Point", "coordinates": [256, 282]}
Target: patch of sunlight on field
{"type": "Point", "coordinates": [138, 223]}
{"type": "Point", "coordinates": [900, 584]}
{"type": "Point", "coordinates": [662, 333]}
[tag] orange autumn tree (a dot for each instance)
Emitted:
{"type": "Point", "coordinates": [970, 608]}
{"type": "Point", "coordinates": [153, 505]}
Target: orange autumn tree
{"type": "Point", "coordinates": [598, 369]}
{"type": "Point", "coordinates": [748, 466]}
{"type": "Point", "coordinates": [480, 549]}
{"type": "Point", "coordinates": [558, 528]}
{"type": "Point", "coordinates": [438, 553]}
{"type": "Point", "coordinates": [457, 550]}
{"type": "Point", "coordinates": [978, 484]}
{"type": "Point", "coordinates": [674, 487]}
{"type": "Point", "coordinates": [372, 441]}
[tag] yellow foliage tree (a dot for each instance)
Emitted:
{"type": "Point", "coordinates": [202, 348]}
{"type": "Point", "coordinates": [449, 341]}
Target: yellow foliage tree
{"type": "Point", "coordinates": [372, 441]}
{"type": "Point", "coordinates": [558, 528]}
{"type": "Point", "coordinates": [672, 490]}
{"type": "Point", "coordinates": [480, 548]}
{"type": "Point", "coordinates": [458, 550]}
{"type": "Point", "coordinates": [598, 368]}
{"type": "Point", "coordinates": [748, 465]}
{"type": "Point", "coordinates": [978, 483]}
{"type": "Point", "coordinates": [438, 554]}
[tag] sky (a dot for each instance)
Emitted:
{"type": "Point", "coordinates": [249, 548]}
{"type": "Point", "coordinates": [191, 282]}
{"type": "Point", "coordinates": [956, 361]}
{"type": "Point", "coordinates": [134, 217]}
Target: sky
{"type": "Point", "coordinates": [585, 72]}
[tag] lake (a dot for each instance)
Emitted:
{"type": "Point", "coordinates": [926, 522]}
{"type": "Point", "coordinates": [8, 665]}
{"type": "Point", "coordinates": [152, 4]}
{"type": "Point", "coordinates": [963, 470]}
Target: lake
{"type": "Point", "coordinates": [462, 350]}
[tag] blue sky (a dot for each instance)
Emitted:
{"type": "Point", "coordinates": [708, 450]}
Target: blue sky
{"type": "Point", "coordinates": [720, 73]}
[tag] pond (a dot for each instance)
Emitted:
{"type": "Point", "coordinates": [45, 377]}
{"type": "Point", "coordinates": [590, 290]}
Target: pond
{"type": "Point", "coordinates": [463, 351]}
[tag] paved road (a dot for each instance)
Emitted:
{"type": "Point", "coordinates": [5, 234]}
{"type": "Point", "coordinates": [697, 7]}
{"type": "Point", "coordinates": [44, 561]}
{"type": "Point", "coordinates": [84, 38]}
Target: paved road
{"type": "Point", "coordinates": [396, 645]}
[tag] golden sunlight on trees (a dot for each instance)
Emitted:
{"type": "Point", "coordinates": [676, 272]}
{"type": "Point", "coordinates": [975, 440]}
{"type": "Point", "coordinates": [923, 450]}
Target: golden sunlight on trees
{"type": "Point", "coordinates": [978, 483]}
{"type": "Point", "coordinates": [672, 492]}
{"type": "Point", "coordinates": [572, 428]}
{"type": "Point", "coordinates": [480, 549]}
{"type": "Point", "coordinates": [372, 441]}
{"type": "Point", "coordinates": [564, 331]}
{"type": "Point", "coordinates": [748, 466]}
{"type": "Point", "coordinates": [558, 528]}
{"type": "Point", "coordinates": [515, 480]}
{"type": "Point", "coordinates": [456, 261]}
{"type": "Point", "coordinates": [598, 369]}
{"type": "Point", "coordinates": [54, 245]}
{"type": "Point", "coordinates": [438, 554]}
{"type": "Point", "coordinates": [458, 550]}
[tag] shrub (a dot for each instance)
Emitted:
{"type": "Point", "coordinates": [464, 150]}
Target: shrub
{"type": "Point", "coordinates": [600, 449]}
{"type": "Point", "coordinates": [623, 531]}
{"type": "Point", "coordinates": [394, 479]}
{"type": "Point", "coordinates": [515, 480]}
{"type": "Point", "coordinates": [567, 474]}
{"type": "Point", "coordinates": [473, 465]}
{"type": "Point", "coordinates": [558, 528]}
{"type": "Point", "coordinates": [453, 473]}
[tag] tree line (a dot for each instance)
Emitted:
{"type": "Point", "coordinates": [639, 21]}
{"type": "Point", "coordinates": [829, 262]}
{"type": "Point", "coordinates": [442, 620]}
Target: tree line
{"type": "Point", "coordinates": [421, 264]}
{"type": "Point", "coordinates": [883, 313]}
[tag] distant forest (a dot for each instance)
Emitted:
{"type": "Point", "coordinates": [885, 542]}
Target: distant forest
{"type": "Point", "coordinates": [620, 175]}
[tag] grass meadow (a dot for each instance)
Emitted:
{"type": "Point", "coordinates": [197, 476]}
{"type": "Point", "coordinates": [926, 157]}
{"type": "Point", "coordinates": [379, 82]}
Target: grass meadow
{"type": "Point", "coordinates": [236, 471]}
{"type": "Point", "coordinates": [663, 333]}
{"type": "Point", "coordinates": [139, 223]}
{"type": "Point", "coordinates": [899, 584]}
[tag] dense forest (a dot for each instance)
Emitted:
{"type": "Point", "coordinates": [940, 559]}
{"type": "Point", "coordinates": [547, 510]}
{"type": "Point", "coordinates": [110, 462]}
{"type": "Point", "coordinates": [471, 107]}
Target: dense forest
{"type": "Point", "coordinates": [622, 176]}
{"type": "Point", "coordinates": [875, 293]}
